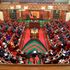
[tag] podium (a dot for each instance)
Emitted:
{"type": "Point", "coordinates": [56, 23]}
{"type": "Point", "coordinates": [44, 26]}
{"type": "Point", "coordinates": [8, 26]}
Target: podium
{"type": "Point", "coordinates": [34, 67]}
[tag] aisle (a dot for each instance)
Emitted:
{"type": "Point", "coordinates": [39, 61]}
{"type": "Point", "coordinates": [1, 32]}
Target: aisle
{"type": "Point", "coordinates": [42, 37]}
{"type": "Point", "coordinates": [27, 36]}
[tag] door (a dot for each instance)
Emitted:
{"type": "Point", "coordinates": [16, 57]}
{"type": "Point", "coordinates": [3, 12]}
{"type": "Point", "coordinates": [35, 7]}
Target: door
{"type": "Point", "coordinates": [1, 15]}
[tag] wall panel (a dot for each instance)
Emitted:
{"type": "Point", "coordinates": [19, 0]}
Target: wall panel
{"type": "Point", "coordinates": [34, 67]}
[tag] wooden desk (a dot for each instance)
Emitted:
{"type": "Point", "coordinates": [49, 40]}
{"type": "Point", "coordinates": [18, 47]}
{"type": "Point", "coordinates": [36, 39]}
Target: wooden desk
{"type": "Point", "coordinates": [33, 67]}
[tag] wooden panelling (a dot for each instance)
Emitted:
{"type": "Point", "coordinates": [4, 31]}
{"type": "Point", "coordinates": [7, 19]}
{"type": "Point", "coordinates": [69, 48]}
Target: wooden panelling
{"type": "Point", "coordinates": [34, 6]}
{"type": "Point", "coordinates": [34, 67]}
{"type": "Point", "coordinates": [63, 15]}
{"type": "Point", "coordinates": [6, 14]}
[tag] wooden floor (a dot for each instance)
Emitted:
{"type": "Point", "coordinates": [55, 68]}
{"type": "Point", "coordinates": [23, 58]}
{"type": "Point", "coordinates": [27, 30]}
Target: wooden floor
{"type": "Point", "coordinates": [33, 67]}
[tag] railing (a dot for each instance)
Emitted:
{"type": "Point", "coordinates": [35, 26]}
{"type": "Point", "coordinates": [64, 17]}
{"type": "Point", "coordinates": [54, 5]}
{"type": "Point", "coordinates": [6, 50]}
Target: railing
{"type": "Point", "coordinates": [34, 67]}
{"type": "Point", "coordinates": [33, 20]}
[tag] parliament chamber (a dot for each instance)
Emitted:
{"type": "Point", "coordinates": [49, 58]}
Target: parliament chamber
{"type": "Point", "coordinates": [35, 34]}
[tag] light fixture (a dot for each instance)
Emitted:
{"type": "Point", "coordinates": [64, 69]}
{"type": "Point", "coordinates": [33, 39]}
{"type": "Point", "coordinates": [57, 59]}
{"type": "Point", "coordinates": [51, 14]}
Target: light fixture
{"type": "Point", "coordinates": [50, 7]}
{"type": "Point", "coordinates": [43, 8]}
{"type": "Point", "coordinates": [18, 6]}
{"type": "Point", "coordinates": [11, 7]}
{"type": "Point", "coordinates": [25, 7]}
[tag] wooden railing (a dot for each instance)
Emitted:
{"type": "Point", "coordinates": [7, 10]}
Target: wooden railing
{"type": "Point", "coordinates": [34, 67]}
